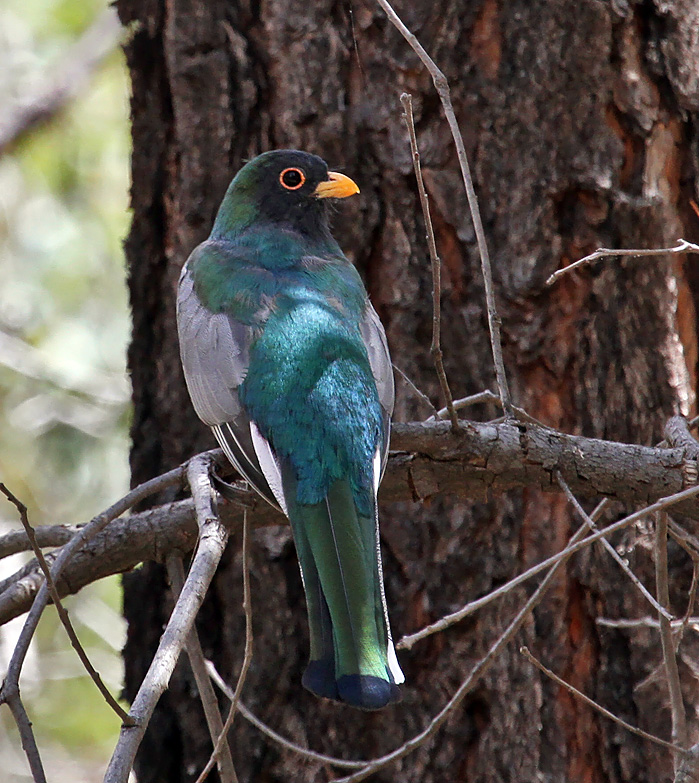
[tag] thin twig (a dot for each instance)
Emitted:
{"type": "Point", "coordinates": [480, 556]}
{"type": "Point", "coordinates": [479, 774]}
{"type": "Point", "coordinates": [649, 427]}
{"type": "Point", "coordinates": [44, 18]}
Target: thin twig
{"type": "Point", "coordinates": [473, 678]}
{"type": "Point", "coordinates": [247, 657]}
{"type": "Point", "coordinates": [465, 402]}
{"type": "Point", "coordinates": [272, 734]}
{"type": "Point", "coordinates": [682, 246]}
{"type": "Point", "coordinates": [26, 735]}
{"type": "Point", "coordinates": [408, 641]}
{"type": "Point", "coordinates": [415, 389]}
{"type": "Point", "coordinates": [679, 718]}
{"type": "Point", "coordinates": [65, 80]}
{"type": "Point", "coordinates": [645, 622]}
{"type": "Point", "coordinates": [607, 714]}
{"type": "Point", "coordinates": [435, 263]}
{"type": "Point", "coordinates": [212, 541]}
{"type": "Point", "coordinates": [197, 662]}
{"type": "Point", "coordinates": [442, 86]}
{"type": "Point", "coordinates": [584, 517]}
{"type": "Point", "coordinates": [9, 691]}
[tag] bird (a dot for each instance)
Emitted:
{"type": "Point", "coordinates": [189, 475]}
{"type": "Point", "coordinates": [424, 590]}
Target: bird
{"type": "Point", "coordinates": [287, 361]}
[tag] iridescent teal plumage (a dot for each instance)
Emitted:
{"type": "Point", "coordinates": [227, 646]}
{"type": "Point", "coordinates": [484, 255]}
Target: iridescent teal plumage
{"type": "Point", "coordinates": [286, 360]}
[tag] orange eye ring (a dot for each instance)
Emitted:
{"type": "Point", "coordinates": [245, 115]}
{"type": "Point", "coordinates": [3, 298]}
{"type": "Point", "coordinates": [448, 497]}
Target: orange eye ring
{"type": "Point", "coordinates": [292, 178]}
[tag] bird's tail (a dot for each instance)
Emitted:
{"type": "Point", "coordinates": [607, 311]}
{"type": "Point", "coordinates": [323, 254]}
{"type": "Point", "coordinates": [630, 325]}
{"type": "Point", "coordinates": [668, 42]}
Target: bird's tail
{"type": "Point", "coordinates": [352, 656]}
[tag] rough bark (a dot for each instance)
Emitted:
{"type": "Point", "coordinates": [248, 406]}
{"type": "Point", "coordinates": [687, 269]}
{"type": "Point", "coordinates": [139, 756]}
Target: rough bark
{"type": "Point", "coordinates": [580, 121]}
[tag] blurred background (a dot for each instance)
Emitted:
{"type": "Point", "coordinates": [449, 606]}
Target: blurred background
{"type": "Point", "coordinates": [64, 326]}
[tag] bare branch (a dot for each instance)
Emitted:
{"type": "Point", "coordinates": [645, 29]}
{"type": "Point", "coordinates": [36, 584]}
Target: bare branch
{"type": "Point", "coordinates": [9, 692]}
{"type": "Point", "coordinates": [435, 263]}
{"type": "Point", "coordinates": [212, 541]}
{"type": "Point", "coordinates": [247, 658]}
{"type": "Point", "coordinates": [442, 86]}
{"type": "Point", "coordinates": [682, 246]}
{"type": "Point", "coordinates": [65, 81]}
{"type": "Point", "coordinates": [46, 536]}
{"type": "Point", "coordinates": [62, 613]}
{"type": "Point", "coordinates": [197, 662]}
{"type": "Point", "coordinates": [283, 741]}
{"type": "Point", "coordinates": [679, 718]}
{"type": "Point", "coordinates": [644, 622]}
{"type": "Point", "coordinates": [428, 460]}
{"type": "Point", "coordinates": [580, 511]}
{"type": "Point", "coordinates": [607, 714]}
{"type": "Point", "coordinates": [465, 402]}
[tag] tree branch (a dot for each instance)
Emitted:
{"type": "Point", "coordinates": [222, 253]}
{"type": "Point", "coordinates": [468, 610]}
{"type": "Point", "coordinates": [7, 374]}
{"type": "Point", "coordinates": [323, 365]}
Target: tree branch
{"type": "Point", "coordinates": [679, 719]}
{"type": "Point", "coordinates": [428, 460]}
{"type": "Point", "coordinates": [435, 263]}
{"type": "Point", "coordinates": [197, 662]}
{"type": "Point", "coordinates": [682, 246]}
{"type": "Point", "coordinates": [595, 706]}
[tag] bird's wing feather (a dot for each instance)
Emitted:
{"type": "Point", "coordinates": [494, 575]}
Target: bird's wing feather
{"type": "Point", "coordinates": [215, 354]}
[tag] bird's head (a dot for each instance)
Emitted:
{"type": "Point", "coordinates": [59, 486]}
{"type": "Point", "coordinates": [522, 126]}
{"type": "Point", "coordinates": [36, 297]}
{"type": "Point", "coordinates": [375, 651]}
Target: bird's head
{"type": "Point", "coordinates": [285, 187]}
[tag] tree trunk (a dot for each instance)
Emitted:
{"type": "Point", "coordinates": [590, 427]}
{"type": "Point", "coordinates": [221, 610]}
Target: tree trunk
{"type": "Point", "coordinates": [580, 122]}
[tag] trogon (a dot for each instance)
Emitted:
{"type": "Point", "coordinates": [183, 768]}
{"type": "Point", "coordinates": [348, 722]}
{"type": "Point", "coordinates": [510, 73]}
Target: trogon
{"type": "Point", "coordinates": [287, 361]}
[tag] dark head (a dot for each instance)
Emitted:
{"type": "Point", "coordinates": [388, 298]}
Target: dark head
{"type": "Point", "coordinates": [286, 187]}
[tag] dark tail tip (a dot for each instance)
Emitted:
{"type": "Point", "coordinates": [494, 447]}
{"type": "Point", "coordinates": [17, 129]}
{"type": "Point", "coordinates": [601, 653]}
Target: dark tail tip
{"type": "Point", "coordinates": [319, 678]}
{"type": "Point", "coordinates": [367, 692]}
{"type": "Point", "coordinates": [358, 690]}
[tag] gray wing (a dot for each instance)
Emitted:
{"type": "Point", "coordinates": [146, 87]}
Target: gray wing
{"type": "Point", "coordinates": [374, 338]}
{"type": "Point", "coordinates": [215, 353]}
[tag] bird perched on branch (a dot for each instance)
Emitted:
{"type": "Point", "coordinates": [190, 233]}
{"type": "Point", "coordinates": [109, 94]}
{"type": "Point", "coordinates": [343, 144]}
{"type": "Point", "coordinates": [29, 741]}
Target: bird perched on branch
{"type": "Point", "coordinates": [286, 360]}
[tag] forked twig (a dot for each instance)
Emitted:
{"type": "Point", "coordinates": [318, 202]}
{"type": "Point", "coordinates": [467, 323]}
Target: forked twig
{"type": "Point", "coordinates": [408, 641]}
{"type": "Point", "coordinates": [682, 246]}
{"type": "Point", "coordinates": [442, 86]}
{"type": "Point", "coordinates": [247, 657]}
{"type": "Point", "coordinates": [580, 511]}
{"type": "Point", "coordinates": [62, 613]}
{"type": "Point", "coordinates": [9, 693]}
{"type": "Point", "coordinates": [595, 706]}
{"type": "Point", "coordinates": [197, 662]}
{"type": "Point", "coordinates": [212, 541]}
{"type": "Point", "coordinates": [679, 718]}
{"type": "Point", "coordinates": [435, 263]}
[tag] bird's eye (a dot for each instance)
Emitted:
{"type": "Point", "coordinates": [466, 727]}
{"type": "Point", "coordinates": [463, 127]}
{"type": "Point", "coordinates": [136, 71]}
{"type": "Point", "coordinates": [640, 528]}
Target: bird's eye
{"type": "Point", "coordinates": [292, 179]}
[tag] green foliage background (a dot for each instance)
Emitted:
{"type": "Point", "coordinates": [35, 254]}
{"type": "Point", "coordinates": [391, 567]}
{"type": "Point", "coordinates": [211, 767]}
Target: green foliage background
{"type": "Point", "coordinates": [64, 395]}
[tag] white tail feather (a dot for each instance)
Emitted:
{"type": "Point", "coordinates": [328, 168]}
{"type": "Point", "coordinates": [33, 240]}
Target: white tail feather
{"type": "Point", "coordinates": [269, 464]}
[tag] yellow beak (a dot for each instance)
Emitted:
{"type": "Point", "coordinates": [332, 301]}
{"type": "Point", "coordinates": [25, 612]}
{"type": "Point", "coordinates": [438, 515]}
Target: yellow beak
{"type": "Point", "coordinates": [336, 186]}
